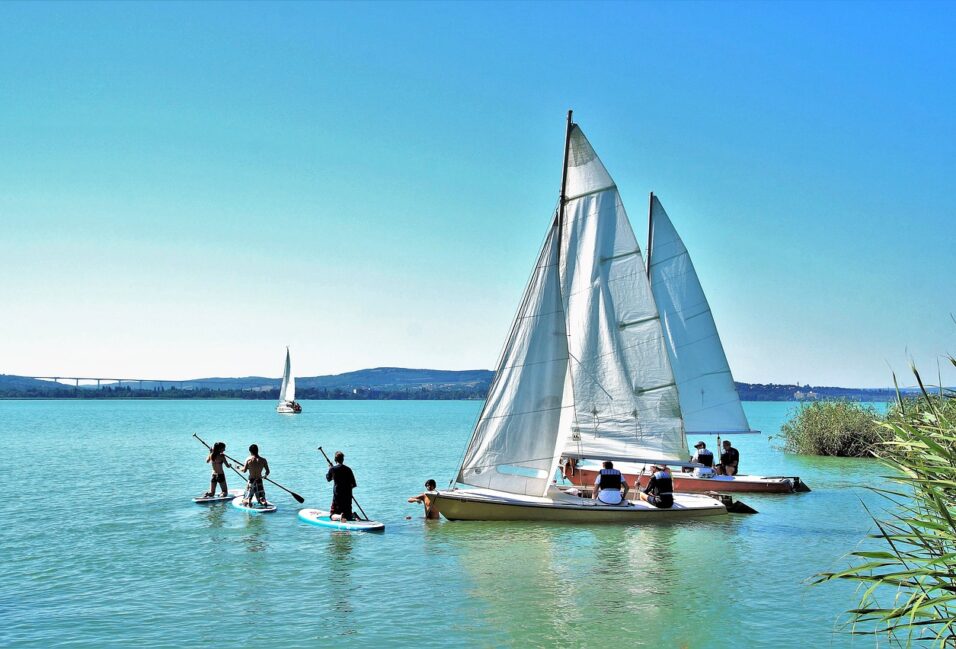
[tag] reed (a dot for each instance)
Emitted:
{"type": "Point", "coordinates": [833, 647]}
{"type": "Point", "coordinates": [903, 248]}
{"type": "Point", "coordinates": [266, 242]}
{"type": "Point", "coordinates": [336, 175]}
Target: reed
{"type": "Point", "coordinates": [909, 586]}
{"type": "Point", "coordinates": [840, 428]}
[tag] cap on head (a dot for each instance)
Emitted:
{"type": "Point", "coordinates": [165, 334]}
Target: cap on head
{"type": "Point", "coordinates": [700, 445]}
{"type": "Point", "coordinates": [339, 457]}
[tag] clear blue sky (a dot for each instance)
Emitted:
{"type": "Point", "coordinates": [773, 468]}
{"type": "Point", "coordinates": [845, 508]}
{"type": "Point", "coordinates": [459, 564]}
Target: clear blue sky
{"type": "Point", "coordinates": [187, 188]}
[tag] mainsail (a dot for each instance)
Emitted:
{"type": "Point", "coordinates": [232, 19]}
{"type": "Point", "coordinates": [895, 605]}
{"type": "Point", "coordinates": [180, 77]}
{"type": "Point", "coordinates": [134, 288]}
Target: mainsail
{"type": "Point", "coordinates": [287, 391]}
{"type": "Point", "coordinates": [512, 447]}
{"type": "Point", "coordinates": [708, 398]}
{"type": "Point", "coordinates": [625, 399]}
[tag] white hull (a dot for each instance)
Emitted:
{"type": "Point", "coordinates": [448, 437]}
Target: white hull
{"type": "Point", "coordinates": [490, 505]}
{"type": "Point", "coordinates": [287, 409]}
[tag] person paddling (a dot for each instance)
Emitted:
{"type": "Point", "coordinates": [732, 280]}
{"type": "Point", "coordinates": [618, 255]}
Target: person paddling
{"type": "Point", "coordinates": [217, 457]}
{"type": "Point", "coordinates": [660, 489]}
{"type": "Point", "coordinates": [427, 499]}
{"type": "Point", "coordinates": [255, 465]}
{"type": "Point", "coordinates": [344, 482]}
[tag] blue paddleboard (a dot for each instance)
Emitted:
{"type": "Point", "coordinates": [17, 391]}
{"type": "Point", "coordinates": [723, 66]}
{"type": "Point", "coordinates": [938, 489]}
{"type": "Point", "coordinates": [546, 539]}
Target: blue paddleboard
{"type": "Point", "coordinates": [321, 518]}
{"type": "Point", "coordinates": [254, 508]}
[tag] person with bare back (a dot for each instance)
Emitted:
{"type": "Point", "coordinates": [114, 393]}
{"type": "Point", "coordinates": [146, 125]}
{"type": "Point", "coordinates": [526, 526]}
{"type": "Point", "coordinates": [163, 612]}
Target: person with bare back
{"type": "Point", "coordinates": [217, 457]}
{"type": "Point", "coordinates": [258, 468]}
{"type": "Point", "coordinates": [427, 499]}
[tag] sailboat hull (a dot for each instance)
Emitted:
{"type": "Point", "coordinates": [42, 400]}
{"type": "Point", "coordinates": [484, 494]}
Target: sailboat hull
{"type": "Point", "coordinates": [689, 484]}
{"type": "Point", "coordinates": [488, 505]}
{"type": "Point", "coordinates": [288, 409]}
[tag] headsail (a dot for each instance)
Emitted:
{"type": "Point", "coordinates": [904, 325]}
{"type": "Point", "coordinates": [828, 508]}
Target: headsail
{"type": "Point", "coordinates": [287, 391]}
{"type": "Point", "coordinates": [708, 398]}
{"type": "Point", "coordinates": [624, 393]}
{"type": "Point", "coordinates": [512, 447]}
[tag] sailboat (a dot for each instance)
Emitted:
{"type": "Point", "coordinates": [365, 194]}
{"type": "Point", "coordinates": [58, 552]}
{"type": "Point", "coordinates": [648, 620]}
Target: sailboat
{"type": "Point", "coordinates": [709, 402]}
{"type": "Point", "coordinates": [287, 403]}
{"type": "Point", "coordinates": [584, 362]}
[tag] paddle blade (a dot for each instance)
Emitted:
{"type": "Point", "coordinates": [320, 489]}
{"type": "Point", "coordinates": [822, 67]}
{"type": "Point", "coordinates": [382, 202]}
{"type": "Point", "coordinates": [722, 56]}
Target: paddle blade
{"type": "Point", "coordinates": [299, 499]}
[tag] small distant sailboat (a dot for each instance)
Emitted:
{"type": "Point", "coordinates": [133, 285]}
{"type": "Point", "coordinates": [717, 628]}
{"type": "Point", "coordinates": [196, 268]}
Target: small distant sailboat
{"type": "Point", "coordinates": [287, 403]}
{"type": "Point", "coordinates": [583, 369]}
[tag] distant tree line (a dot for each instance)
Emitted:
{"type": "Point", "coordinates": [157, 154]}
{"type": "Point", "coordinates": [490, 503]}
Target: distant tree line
{"type": "Point", "coordinates": [344, 393]}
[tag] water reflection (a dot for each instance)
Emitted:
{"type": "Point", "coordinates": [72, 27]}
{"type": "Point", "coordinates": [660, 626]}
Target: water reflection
{"type": "Point", "coordinates": [256, 533]}
{"type": "Point", "coordinates": [340, 580]}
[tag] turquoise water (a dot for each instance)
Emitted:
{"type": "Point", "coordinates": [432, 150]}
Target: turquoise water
{"type": "Point", "coordinates": [104, 548]}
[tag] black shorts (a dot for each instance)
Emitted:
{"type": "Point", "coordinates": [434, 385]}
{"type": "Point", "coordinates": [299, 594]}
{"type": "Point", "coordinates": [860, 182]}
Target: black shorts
{"type": "Point", "coordinates": [342, 507]}
{"type": "Point", "coordinates": [664, 502]}
{"type": "Point", "coordinates": [218, 478]}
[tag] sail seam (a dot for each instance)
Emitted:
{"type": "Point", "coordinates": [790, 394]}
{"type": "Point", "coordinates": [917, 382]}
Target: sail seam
{"type": "Point", "coordinates": [590, 193]}
{"type": "Point", "coordinates": [656, 388]}
{"type": "Point", "coordinates": [621, 256]}
{"type": "Point", "coordinates": [624, 325]}
{"type": "Point", "coordinates": [667, 259]}
{"type": "Point", "coordinates": [523, 412]}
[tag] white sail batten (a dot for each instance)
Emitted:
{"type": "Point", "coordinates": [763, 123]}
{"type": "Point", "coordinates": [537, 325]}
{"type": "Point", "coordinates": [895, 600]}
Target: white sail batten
{"type": "Point", "coordinates": [512, 448]}
{"type": "Point", "coordinates": [287, 391]}
{"type": "Point", "coordinates": [625, 397]}
{"type": "Point", "coordinates": [708, 397]}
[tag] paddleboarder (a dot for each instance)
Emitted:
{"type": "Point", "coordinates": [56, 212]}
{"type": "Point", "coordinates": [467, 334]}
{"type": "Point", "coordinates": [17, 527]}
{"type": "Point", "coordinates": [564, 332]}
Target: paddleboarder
{"type": "Point", "coordinates": [217, 457]}
{"type": "Point", "coordinates": [344, 482]}
{"type": "Point", "coordinates": [255, 465]}
{"type": "Point", "coordinates": [427, 499]}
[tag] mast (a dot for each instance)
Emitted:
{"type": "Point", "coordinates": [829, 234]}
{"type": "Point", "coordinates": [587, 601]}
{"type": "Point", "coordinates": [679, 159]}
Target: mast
{"type": "Point", "coordinates": [564, 184]}
{"type": "Point", "coordinates": [650, 231]}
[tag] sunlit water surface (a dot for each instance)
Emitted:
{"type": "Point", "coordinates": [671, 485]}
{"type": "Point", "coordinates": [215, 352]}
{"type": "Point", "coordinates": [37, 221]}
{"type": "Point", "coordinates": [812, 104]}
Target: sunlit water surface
{"type": "Point", "coordinates": [104, 547]}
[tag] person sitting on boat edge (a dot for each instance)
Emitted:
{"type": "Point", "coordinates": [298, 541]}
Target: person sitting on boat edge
{"type": "Point", "coordinates": [255, 465]}
{"type": "Point", "coordinates": [427, 499]}
{"type": "Point", "coordinates": [341, 508]}
{"type": "Point", "coordinates": [660, 489]}
{"type": "Point", "coordinates": [608, 484]}
{"type": "Point", "coordinates": [703, 455]}
{"type": "Point", "coordinates": [729, 460]}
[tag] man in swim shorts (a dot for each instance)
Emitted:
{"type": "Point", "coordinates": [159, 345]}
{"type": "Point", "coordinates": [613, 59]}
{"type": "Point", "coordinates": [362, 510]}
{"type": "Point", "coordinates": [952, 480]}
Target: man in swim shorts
{"type": "Point", "coordinates": [255, 464]}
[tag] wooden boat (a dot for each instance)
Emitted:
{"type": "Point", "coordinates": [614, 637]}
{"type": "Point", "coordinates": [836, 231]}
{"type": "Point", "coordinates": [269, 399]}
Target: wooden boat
{"type": "Point", "coordinates": [584, 365]}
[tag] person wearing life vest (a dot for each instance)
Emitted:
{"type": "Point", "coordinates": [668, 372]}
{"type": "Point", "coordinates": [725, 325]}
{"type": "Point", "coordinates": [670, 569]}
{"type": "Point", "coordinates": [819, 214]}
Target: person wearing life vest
{"type": "Point", "coordinates": [703, 455]}
{"type": "Point", "coordinates": [608, 485]}
{"type": "Point", "coordinates": [660, 489]}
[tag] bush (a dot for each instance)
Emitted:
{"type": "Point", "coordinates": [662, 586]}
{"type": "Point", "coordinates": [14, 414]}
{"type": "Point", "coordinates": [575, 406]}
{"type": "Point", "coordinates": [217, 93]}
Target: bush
{"type": "Point", "coordinates": [915, 575]}
{"type": "Point", "coordinates": [840, 428]}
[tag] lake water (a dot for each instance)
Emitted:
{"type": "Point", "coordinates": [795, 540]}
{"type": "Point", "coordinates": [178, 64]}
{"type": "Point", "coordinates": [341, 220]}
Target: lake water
{"type": "Point", "coordinates": [104, 548]}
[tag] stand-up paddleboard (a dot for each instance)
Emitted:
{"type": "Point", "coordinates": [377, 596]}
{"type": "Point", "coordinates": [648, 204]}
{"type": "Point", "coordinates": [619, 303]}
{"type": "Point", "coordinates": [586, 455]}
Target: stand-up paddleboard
{"type": "Point", "coordinates": [321, 518]}
{"type": "Point", "coordinates": [208, 500]}
{"type": "Point", "coordinates": [253, 508]}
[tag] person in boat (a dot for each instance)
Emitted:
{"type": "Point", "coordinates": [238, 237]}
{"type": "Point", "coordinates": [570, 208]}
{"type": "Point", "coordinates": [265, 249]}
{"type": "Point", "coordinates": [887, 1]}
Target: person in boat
{"type": "Point", "coordinates": [729, 459]}
{"type": "Point", "coordinates": [217, 458]}
{"type": "Point", "coordinates": [610, 487]}
{"type": "Point", "coordinates": [660, 489]}
{"type": "Point", "coordinates": [427, 499]}
{"type": "Point", "coordinates": [343, 482]}
{"type": "Point", "coordinates": [258, 467]}
{"type": "Point", "coordinates": [702, 455]}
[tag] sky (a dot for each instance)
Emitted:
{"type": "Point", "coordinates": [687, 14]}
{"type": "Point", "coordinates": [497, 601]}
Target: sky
{"type": "Point", "coordinates": [187, 188]}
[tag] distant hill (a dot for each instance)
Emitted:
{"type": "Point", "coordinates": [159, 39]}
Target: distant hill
{"type": "Point", "coordinates": [375, 383]}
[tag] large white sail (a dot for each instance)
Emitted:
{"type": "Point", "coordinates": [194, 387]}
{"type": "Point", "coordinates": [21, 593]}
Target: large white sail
{"type": "Point", "coordinates": [512, 447]}
{"type": "Point", "coordinates": [287, 391]}
{"type": "Point", "coordinates": [708, 398]}
{"type": "Point", "coordinates": [624, 394]}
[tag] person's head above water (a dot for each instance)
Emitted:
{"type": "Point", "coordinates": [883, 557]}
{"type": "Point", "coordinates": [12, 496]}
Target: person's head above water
{"type": "Point", "coordinates": [339, 457]}
{"type": "Point", "coordinates": [608, 464]}
{"type": "Point", "coordinates": [254, 449]}
{"type": "Point", "coordinates": [430, 484]}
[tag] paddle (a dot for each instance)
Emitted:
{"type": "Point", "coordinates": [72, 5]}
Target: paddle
{"type": "Point", "coordinates": [353, 497]}
{"type": "Point", "coordinates": [297, 497]}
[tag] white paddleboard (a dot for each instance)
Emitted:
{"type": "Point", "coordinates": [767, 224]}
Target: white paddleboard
{"type": "Point", "coordinates": [321, 518]}
{"type": "Point", "coordinates": [254, 508]}
{"type": "Point", "coordinates": [207, 500]}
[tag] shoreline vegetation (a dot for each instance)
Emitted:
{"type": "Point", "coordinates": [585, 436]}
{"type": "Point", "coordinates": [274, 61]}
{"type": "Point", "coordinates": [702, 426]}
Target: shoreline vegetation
{"type": "Point", "coordinates": [390, 383]}
{"type": "Point", "coordinates": [909, 587]}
